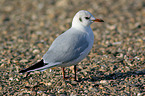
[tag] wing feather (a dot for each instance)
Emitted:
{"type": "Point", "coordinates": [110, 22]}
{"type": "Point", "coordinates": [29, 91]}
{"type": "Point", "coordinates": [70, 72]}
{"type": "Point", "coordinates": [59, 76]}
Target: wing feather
{"type": "Point", "coordinates": [66, 47]}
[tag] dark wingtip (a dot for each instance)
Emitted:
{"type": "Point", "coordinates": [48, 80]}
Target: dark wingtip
{"type": "Point", "coordinates": [37, 65]}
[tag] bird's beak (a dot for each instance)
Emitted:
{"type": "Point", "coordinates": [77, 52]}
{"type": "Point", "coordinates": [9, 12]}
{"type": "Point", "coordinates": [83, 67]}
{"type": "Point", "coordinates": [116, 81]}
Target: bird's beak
{"type": "Point", "coordinates": [98, 20]}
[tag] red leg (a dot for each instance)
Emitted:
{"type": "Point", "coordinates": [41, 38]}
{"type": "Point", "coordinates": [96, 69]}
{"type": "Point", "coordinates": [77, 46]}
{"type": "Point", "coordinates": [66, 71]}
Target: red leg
{"type": "Point", "coordinates": [27, 74]}
{"type": "Point", "coordinates": [63, 72]}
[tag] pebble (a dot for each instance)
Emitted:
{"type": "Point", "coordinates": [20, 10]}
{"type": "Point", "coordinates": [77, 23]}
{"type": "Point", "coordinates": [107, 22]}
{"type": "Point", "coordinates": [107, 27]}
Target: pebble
{"type": "Point", "coordinates": [2, 65]}
{"type": "Point", "coordinates": [72, 94]}
{"type": "Point", "coordinates": [103, 81]}
{"type": "Point", "coordinates": [8, 8]}
{"type": "Point", "coordinates": [117, 43]}
{"type": "Point", "coordinates": [36, 51]}
{"type": "Point", "coordinates": [73, 82]}
{"type": "Point", "coordinates": [23, 60]}
{"type": "Point", "coordinates": [48, 84]}
{"type": "Point", "coordinates": [11, 78]}
{"type": "Point", "coordinates": [111, 27]}
{"type": "Point", "coordinates": [28, 28]}
{"type": "Point", "coordinates": [139, 94]}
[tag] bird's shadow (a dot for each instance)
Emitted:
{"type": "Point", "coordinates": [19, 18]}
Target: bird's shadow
{"type": "Point", "coordinates": [101, 76]}
{"type": "Point", "coordinates": [114, 76]}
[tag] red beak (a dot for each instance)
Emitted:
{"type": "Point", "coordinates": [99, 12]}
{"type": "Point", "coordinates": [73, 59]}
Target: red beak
{"type": "Point", "coordinates": [98, 20]}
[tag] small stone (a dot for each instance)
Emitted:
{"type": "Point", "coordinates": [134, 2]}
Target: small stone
{"type": "Point", "coordinates": [117, 43]}
{"type": "Point", "coordinates": [111, 27]}
{"type": "Point", "coordinates": [86, 91]}
{"type": "Point", "coordinates": [48, 84]}
{"type": "Point", "coordinates": [2, 65]}
{"type": "Point", "coordinates": [74, 82]}
{"type": "Point", "coordinates": [10, 78]}
{"type": "Point", "coordinates": [139, 94]}
{"type": "Point", "coordinates": [38, 91]}
{"type": "Point", "coordinates": [9, 8]}
{"type": "Point", "coordinates": [81, 86]}
{"type": "Point", "coordinates": [140, 40]}
{"type": "Point", "coordinates": [90, 88]}
{"type": "Point", "coordinates": [142, 59]}
{"type": "Point", "coordinates": [103, 81]}
{"type": "Point", "coordinates": [24, 60]}
{"type": "Point", "coordinates": [36, 51]}
{"type": "Point", "coordinates": [101, 87]}
{"type": "Point", "coordinates": [62, 3]}
{"type": "Point", "coordinates": [39, 32]}
{"type": "Point", "coordinates": [73, 94]}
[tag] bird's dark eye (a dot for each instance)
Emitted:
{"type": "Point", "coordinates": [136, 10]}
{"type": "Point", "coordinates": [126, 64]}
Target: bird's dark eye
{"type": "Point", "coordinates": [87, 17]}
{"type": "Point", "coordinates": [80, 19]}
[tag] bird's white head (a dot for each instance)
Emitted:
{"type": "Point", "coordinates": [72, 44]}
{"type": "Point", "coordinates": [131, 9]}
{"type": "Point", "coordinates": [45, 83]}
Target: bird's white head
{"type": "Point", "coordinates": [84, 18]}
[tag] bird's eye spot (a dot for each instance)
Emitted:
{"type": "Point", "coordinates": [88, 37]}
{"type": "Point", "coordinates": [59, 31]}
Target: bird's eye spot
{"type": "Point", "coordinates": [87, 17]}
{"type": "Point", "coordinates": [80, 19]}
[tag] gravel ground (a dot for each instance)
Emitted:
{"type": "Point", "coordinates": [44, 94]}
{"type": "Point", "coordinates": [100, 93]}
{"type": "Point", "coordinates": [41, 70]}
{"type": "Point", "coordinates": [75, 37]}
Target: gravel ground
{"type": "Point", "coordinates": [115, 65]}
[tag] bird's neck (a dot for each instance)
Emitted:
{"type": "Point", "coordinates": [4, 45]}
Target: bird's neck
{"type": "Point", "coordinates": [81, 27]}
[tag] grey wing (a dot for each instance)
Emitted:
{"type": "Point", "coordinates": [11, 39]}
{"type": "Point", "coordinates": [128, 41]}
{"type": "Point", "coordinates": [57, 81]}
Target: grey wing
{"type": "Point", "coordinates": [66, 48]}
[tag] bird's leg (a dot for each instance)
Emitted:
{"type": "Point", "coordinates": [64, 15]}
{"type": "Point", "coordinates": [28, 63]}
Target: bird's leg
{"type": "Point", "coordinates": [27, 74]}
{"type": "Point", "coordinates": [75, 71]}
{"type": "Point", "coordinates": [63, 72]}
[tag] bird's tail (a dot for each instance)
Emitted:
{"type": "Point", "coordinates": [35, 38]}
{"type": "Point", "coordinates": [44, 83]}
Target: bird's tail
{"type": "Point", "coordinates": [33, 67]}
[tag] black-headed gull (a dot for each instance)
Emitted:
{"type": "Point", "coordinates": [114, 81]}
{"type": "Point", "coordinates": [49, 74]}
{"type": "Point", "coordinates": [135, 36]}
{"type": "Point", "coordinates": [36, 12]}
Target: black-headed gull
{"type": "Point", "coordinates": [70, 47]}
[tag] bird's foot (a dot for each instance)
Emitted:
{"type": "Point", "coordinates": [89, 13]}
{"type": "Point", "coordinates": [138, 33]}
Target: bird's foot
{"type": "Point", "coordinates": [67, 78]}
{"type": "Point", "coordinates": [70, 78]}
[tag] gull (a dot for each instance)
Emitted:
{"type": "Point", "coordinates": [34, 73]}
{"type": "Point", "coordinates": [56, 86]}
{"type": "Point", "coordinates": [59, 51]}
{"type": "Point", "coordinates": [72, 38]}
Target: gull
{"type": "Point", "coordinates": [70, 47]}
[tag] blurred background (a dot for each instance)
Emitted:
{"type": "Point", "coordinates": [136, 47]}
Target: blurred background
{"type": "Point", "coordinates": [115, 65]}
